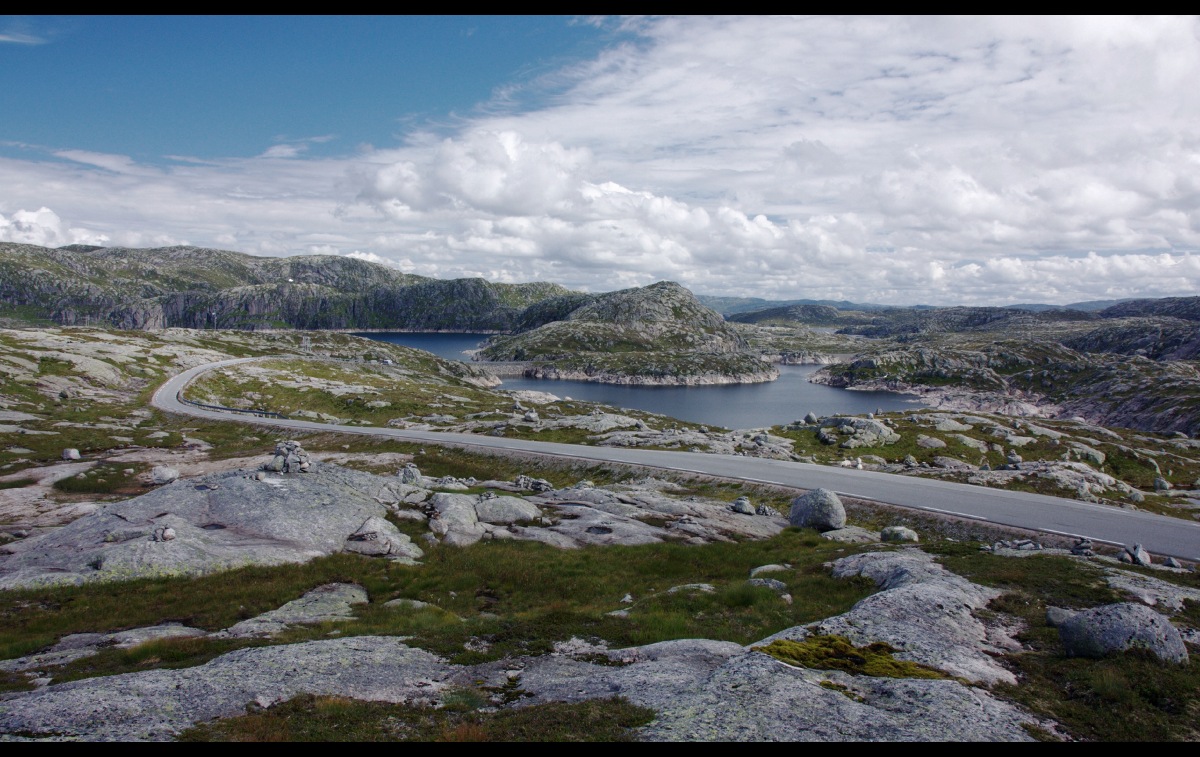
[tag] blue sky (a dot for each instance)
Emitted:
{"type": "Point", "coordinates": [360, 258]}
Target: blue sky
{"type": "Point", "coordinates": [887, 159]}
{"type": "Point", "coordinates": [213, 87]}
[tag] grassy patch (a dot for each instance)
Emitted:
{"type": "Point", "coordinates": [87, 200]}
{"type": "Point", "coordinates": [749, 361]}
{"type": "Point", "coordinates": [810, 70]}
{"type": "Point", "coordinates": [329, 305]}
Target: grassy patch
{"type": "Point", "coordinates": [1125, 697]}
{"type": "Point", "coordinates": [109, 478]}
{"type": "Point", "coordinates": [17, 483]}
{"type": "Point", "coordinates": [486, 601]}
{"type": "Point", "coordinates": [828, 652]}
{"type": "Point", "coordinates": [311, 718]}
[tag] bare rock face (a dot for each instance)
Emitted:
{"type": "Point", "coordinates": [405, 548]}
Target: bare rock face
{"type": "Point", "coordinates": [863, 432]}
{"type": "Point", "coordinates": [1102, 631]}
{"type": "Point", "coordinates": [923, 610]}
{"type": "Point", "coordinates": [820, 509]}
{"type": "Point", "coordinates": [331, 602]}
{"type": "Point", "coordinates": [701, 689]}
{"type": "Point", "coordinates": [212, 523]}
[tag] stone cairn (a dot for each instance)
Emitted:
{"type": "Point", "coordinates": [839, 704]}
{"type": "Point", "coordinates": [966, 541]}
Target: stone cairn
{"type": "Point", "coordinates": [290, 457]}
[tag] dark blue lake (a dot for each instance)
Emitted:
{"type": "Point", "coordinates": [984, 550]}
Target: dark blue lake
{"type": "Point", "coordinates": [733, 406]}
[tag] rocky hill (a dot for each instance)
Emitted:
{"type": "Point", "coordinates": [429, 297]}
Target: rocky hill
{"type": "Point", "coordinates": [1186, 308]}
{"type": "Point", "coordinates": [194, 287]}
{"type": "Point", "coordinates": [659, 334]}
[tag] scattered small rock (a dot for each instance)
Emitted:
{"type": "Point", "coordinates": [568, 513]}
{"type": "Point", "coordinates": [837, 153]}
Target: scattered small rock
{"type": "Point", "coordinates": [742, 505]}
{"type": "Point", "coordinates": [1138, 555]}
{"type": "Point", "coordinates": [70, 454]}
{"type": "Point", "coordinates": [1083, 548]}
{"type": "Point", "coordinates": [289, 457]}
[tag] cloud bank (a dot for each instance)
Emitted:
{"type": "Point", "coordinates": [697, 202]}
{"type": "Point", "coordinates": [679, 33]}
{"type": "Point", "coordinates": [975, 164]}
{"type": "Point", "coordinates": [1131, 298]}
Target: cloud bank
{"type": "Point", "coordinates": [975, 161]}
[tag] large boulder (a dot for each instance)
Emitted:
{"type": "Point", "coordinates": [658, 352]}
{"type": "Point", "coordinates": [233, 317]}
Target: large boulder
{"type": "Point", "coordinates": [1109, 629]}
{"type": "Point", "coordinates": [820, 509]}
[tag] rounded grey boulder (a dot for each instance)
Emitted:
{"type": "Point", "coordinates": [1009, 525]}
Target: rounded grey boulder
{"type": "Point", "coordinates": [898, 533]}
{"type": "Point", "coordinates": [1105, 630]}
{"type": "Point", "coordinates": [820, 509]}
{"type": "Point", "coordinates": [163, 474]}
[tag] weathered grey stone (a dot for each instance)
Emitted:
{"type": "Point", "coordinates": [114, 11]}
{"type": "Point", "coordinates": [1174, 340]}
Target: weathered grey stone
{"type": "Point", "coordinates": [70, 454]}
{"type": "Point", "coordinates": [862, 432]}
{"type": "Point", "coordinates": [820, 509]}
{"type": "Point", "coordinates": [702, 588]}
{"type": "Point", "coordinates": [767, 510]}
{"type": "Point", "coordinates": [79, 645]}
{"type": "Point", "coordinates": [455, 519]}
{"type": "Point", "coordinates": [1056, 616]}
{"type": "Point", "coordinates": [772, 568]}
{"type": "Point", "coordinates": [923, 610]}
{"type": "Point", "coordinates": [852, 535]}
{"type": "Point", "coordinates": [1138, 555]}
{"type": "Point", "coordinates": [811, 418]}
{"type": "Point", "coordinates": [377, 537]}
{"type": "Point", "coordinates": [155, 705]}
{"type": "Point", "coordinates": [1171, 562]}
{"type": "Point", "coordinates": [289, 457]}
{"type": "Point", "coordinates": [929, 442]}
{"type": "Point", "coordinates": [777, 586]}
{"type": "Point", "coordinates": [162, 474]}
{"type": "Point", "coordinates": [1161, 484]}
{"type": "Point", "coordinates": [1151, 591]}
{"type": "Point", "coordinates": [330, 602]}
{"type": "Point", "coordinates": [506, 510]}
{"type": "Point", "coordinates": [742, 505]}
{"type": "Point", "coordinates": [1105, 630]}
{"type": "Point", "coordinates": [527, 483]}
{"type": "Point", "coordinates": [410, 475]}
{"type": "Point", "coordinates": [411, 604]}
{"type": "Point", "coordinates": [899, 534]}
{"type": "Point", "coordinates": [228, 520]}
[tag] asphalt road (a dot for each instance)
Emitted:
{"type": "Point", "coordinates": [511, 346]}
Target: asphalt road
{"type": "Point", "coordinates": [1161, 535]}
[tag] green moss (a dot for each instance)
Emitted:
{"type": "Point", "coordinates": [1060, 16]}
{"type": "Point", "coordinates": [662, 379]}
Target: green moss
{"type": "Point", "coordinates": [830, 652]}
{"type": "Point", "coordinates": [461, 718]}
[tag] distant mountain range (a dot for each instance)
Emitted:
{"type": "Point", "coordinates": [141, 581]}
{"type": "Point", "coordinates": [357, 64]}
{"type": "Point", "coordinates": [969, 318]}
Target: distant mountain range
{"type": "Point", "coordinates": [207, 288]}
{"type": "Point", "coordinates": [728, 306]}
{"type": "Point", "coordinates": [197, 287]}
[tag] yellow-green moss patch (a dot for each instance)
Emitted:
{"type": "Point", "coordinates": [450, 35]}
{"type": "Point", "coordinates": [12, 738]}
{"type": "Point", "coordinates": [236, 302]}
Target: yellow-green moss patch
{"type": "Point", "coordinates": [829, 652]}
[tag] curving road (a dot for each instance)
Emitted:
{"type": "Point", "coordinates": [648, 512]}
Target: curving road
{"type": "Point", "coordinates": [1159, 534]}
